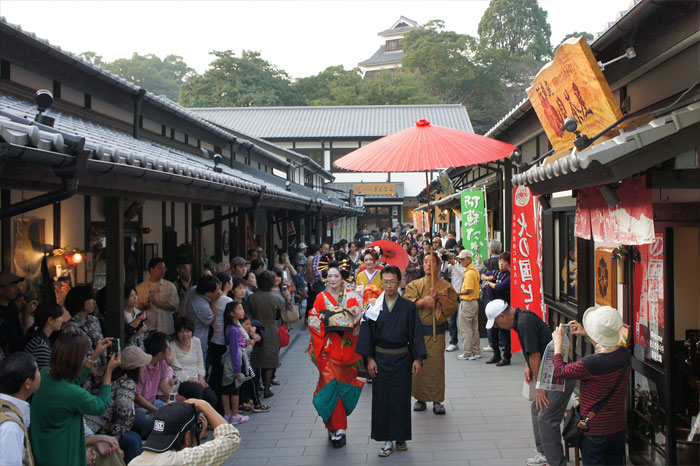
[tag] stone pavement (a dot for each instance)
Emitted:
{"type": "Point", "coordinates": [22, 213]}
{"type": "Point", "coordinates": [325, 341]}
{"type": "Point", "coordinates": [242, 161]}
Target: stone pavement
{"type": "Point", "coordinates": [487, 421]}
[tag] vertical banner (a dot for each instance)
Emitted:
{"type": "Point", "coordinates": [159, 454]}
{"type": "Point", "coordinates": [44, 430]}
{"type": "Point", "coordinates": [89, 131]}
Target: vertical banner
{"type": "Point", "coordinates": [418, 221]}
{"type": "Point", "coordinates": [525, 276]}
{"type": "Point", "coordinates": [474, 228]}
{"type": "Point", "coordinates": [649, 313]}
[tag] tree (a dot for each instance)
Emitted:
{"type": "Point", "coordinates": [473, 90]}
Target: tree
{"type": "Point", "coordinates": [321, 87]}
{"type": "Point", "coordinates": [230, 81]}
{"type": "Point", "coordinates": [588, 36]}
{"type": "Point", "coordinates": [518, 26]}
{"type": "Point", "coordinates": [161, 77]}
{"type": "Point", "coordinates": [448, 65]}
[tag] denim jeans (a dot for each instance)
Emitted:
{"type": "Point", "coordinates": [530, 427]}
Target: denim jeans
{"type": "Point", "coordinates": [130, 443]}
{"type": "Point", "coordinates": [603, 449]}
{"type": "Point", "coordinates": [143, 419]}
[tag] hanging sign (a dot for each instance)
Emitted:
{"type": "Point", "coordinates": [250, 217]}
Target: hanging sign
{"type": "Point", "coordinates": [572, 85]}
{"type": "Point", "coordinates": [474, 225]}
{"type": "Point", "coordinates": [649, 313]}
{"type": "Point", "coordinates": [375, 189]}
{"type": "Point", "coordinates": [525, 277]}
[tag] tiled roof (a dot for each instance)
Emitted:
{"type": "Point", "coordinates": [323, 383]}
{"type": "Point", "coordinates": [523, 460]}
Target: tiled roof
{"type": "Point", "coordinates": [370, 121]}
{"type": "Point", "coordinates": [402, 29]}
{"type": "Point", "coordinates": [382, 57]}
{"type": "Point", "coordinates": [611, 151]}
{"type": "Point", "coordinates": [139, 157]}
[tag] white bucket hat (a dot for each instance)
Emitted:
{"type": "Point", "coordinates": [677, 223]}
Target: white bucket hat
{"type": "Point", "coordinates": [603, 324]}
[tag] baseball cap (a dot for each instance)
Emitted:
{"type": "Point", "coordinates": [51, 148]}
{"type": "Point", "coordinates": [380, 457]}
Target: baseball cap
{"type": "Point", "coordinates": [7, 278]}
{"type": "Point", "coordinates": [493, 310]}
{"type": "Point", "coordinates": [133, 357]}
{"type": "Point", "coordinates": [238, 260]}
{"type": "Point", "coordinates": [464, 254]}
{"type": "Point", "coordinates": [302, 246]}
{"type": "Point", "coordinates": [169, 422]}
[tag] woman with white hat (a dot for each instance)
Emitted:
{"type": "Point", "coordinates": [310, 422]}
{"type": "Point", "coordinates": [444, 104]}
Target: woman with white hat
{"type": "Point", "coordinates": [604, 375]}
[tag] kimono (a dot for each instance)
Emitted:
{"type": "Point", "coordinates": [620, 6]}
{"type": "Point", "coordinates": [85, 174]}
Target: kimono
{"type": "Point", "coordinates": [395, 329]}
{"type": "Point", "coordinates": [333, 353]}
{"type": "Point", "coordinates": [366, 278]}
{"type": "Point", "coordinates": [429, 384]}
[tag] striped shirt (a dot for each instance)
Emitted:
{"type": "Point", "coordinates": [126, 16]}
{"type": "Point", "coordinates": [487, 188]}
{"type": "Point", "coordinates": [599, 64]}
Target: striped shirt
{"type": "Point", "coordinates": [40, 347]}
{"type": "Point", "coordinates": [599, 373]}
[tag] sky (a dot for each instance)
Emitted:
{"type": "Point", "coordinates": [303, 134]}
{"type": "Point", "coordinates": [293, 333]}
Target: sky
{"type": "Point", "coordinates": [300, 37]}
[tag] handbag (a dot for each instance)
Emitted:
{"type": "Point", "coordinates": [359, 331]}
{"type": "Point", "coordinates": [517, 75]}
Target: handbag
{"type": "Point", "coordinates": [574, 426]}
{"type": "Point", "coordinates": [289, 315]}
{"type": "Point", "coordinates": [283, 335]}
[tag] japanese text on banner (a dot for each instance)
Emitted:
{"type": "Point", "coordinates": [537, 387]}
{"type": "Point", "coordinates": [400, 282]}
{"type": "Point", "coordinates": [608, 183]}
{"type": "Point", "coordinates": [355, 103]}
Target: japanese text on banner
{"type": "Point", "coordinates": [474, 227]}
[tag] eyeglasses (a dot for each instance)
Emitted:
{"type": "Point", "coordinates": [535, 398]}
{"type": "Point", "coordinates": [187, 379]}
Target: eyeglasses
{"type": "Point", "coordinates": [389, 282]}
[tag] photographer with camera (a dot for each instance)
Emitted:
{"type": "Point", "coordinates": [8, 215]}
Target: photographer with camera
{"type": "Point", "coordinates": [177, 428]}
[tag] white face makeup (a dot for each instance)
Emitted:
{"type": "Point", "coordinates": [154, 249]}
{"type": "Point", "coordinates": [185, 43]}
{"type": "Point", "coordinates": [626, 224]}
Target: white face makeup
{"type": "Point", "coordinates": [334, 278]}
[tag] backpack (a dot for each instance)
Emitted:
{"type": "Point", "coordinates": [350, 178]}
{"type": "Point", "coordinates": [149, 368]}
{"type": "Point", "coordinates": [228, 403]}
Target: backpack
{"type": "Point", "coordinates": [10, 413]}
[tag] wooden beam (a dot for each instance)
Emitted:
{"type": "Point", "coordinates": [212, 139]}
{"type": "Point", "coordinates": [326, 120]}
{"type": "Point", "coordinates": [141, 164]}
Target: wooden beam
{"type": "Point", "coordinates": [5, 202]}
{"type": "Point", "coordinates": [114, 217]}
{"type": "Point", "coordinates": [197, 262]}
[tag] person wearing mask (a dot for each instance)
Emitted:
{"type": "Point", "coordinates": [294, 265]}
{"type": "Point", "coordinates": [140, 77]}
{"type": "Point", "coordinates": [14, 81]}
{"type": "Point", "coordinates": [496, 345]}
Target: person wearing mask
{"type": "Point", "coordinates": [155, 376]}
{"type": "Point", "coordinates": [497, 286]}
{"type": "Point", "coordinates": [11, 331]}
{"type": "Point", "coordinates": [135, 327]}
{"type": "Point", "coordinates": [58, 407]}
{"type": "Point", "coordinates": [201, 308]}
{"type": "Point", "coordinates": [19, 379]}
{"type": "Point", "coordinates": [547, 410]}
{"type": "Point", "coordinates": [436, 302]}
{"type": "Point", "coordinates": [158, 297]}
{"type": "Point", "coordinates": [603, 374]}
{"type": "Point", "coordinates": [468, 318]}
{"type": "Point", "coordinates": [175, 437]}
{"type": "Point", "coordinates": [47, 320]}
{"type": "Point", "coordinates": [118, 420]}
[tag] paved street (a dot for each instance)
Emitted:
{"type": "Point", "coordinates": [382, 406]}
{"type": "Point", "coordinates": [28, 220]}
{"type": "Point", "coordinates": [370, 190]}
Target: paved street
{"type": "Point", "coordinates": [487, 420]}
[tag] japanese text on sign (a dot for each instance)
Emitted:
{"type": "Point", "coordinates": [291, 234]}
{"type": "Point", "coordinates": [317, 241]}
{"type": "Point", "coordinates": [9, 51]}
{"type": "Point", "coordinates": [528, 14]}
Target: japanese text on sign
{"type": "Point", "coordinates": [474, 227]}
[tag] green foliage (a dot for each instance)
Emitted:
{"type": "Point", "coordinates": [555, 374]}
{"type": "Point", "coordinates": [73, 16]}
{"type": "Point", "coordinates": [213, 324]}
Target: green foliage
{"type": "Point", "coordinates": [245, 81]}
{"type": "Point", "coordinates": [161, 77]}
{"type": "Point", "coordinates": [518, 26]}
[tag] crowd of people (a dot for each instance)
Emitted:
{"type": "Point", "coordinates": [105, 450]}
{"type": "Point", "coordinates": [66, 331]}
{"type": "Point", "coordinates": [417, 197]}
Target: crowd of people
{"type": "Point", "coordinates": [208, 352]}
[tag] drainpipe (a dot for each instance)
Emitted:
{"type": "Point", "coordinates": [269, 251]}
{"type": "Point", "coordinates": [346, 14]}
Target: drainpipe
{"type": "Point", "coordinates": [138, 98]}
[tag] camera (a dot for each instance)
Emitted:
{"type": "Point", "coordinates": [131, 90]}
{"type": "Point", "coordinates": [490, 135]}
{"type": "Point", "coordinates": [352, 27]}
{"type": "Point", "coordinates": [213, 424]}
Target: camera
{"type": "Point", "coordinates": [171, 398]}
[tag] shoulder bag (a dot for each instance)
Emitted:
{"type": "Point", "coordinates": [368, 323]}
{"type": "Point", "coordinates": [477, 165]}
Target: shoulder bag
{"type": "Point", "coordinates": [574, 426]}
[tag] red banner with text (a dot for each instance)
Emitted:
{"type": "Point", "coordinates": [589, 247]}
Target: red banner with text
{"type": "Point", "coordinates": [525, 256]}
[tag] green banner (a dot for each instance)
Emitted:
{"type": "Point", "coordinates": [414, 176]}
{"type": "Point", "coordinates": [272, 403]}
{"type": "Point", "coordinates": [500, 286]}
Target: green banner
{"type": "Point", "coordinates": [474, 228]}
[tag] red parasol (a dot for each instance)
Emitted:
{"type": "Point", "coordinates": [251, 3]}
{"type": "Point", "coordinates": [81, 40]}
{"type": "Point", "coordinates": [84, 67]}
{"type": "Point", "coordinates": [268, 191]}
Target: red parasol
{"type": "Point", "coordinates": [424, 147]}
{"type": "Point", "coordinates": [392, 253]}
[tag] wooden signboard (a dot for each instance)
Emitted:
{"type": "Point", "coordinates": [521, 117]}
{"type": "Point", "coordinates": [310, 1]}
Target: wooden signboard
{"type": "Point", "coordinates": [441, 215]}
{"type": "Point", "coordinates": [572, 85]}
{"type": "Point", "coordinates": [376, 189]}
{"type": "Point", "coordinates": [605, 278]}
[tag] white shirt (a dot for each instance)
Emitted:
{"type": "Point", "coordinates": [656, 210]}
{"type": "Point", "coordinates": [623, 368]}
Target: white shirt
{"type": "Point", "coordinates": [12, 435]}
{"type": "Point", "coordinates": [191, 362]}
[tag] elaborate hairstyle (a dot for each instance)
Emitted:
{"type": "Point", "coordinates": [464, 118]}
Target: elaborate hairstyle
{"type": "Point", "coordinates": [341, 262]}
{"type": "Point", "coordinates": [375, 251]}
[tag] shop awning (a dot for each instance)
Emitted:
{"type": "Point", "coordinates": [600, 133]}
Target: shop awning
{"type": "Point", "coordinates": [617, 158]}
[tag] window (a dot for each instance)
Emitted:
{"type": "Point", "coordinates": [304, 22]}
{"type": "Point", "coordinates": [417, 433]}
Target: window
{"type": "Point", "coordinates": [394, 44]}
{"type": "Point", "coordinates": [567, 255]}
{"type": "Point", "coordinates": [308, 179]}
{"type": "Point", "coordinates": [338, 153]}
{"type": "Point", "coordinates": [314, 154]}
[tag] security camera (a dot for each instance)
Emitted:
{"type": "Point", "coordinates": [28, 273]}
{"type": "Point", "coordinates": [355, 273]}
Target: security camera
{"type": "Point", "coordinates": [570, 124]}
{"type": "Point", "coordinates": [217, 159]}
{"type": "Point", "coordinates": [43, 99]}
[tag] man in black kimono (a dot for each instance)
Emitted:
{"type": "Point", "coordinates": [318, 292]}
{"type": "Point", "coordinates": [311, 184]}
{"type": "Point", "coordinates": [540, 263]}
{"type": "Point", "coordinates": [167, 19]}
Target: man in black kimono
{"type": "Point", "coordinates": [391, 340]}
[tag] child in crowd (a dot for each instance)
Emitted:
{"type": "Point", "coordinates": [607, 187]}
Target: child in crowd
{"type": "Point", "coordinates": [248, 391]}
{"type": "Point", "coordinates": [236, 342]}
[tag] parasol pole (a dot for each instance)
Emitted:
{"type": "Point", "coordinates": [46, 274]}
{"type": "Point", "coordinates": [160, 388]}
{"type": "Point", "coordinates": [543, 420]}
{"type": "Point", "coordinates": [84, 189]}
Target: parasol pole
{"type": "Point", "coordinates": [432, 276]}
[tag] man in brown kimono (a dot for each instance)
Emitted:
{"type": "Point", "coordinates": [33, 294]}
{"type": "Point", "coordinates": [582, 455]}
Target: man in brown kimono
{"type": "Point", "coordinates": [436, 301]}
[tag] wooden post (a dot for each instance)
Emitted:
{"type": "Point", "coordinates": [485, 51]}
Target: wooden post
{"type": "Point", "coordinates": [197, 262]}
{"type": "Point", "coordinates": [56, 225]}
{"type": "Point", "coordinates": [242, 232]}
{"type": "Point", "coordinates": [507, 204]}
{"type": "Point", "coordinates": [114, 220]}
{"type": "Point", "coordinates": [285, 232]}
{"type": "Point", "coordinates": [218, 230]}
{"type": "Point", "coordinates": [270, 236]}
{"type": "Point", "coordinates": [6, 231]}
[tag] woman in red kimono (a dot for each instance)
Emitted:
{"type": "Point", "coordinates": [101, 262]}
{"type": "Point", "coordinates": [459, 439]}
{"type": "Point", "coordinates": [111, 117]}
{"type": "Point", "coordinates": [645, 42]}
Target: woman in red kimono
{"type": "Point", "coordinates": [334, 323]}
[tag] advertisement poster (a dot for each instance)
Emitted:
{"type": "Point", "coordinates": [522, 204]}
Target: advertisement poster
{"type": "Point", "coordinates": [649, 313]}
{"type": "Point", "coordinates": [545, 378]}
{"type": "Point", "coordinates": [525, 276]}
{"type": "Point", "coordinates": [474, 227]}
